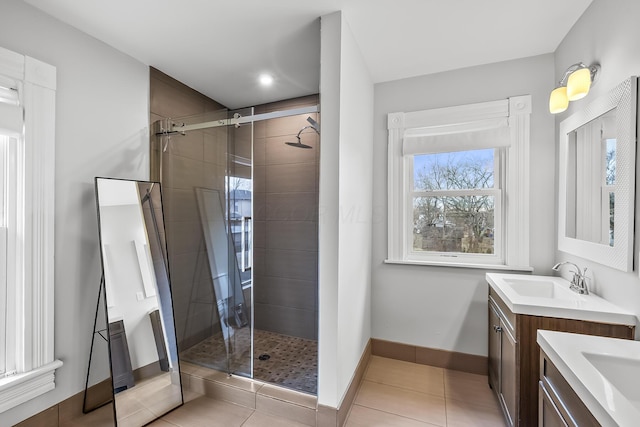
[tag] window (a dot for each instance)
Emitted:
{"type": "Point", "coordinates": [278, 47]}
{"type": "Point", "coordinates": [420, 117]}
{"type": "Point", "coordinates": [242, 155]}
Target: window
{"type": "Point", "coordinates": [458, 185]}
{"type": "Point", "coordinates": [27, 108]}
{"type": "Point", "coordinates": [11, 124]}
{"type": "Point", "coordinates": [456, 202]}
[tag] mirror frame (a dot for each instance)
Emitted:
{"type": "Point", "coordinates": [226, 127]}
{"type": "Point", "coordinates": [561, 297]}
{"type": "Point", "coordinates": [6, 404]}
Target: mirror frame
{"type": "Point", "coordinates": [624, 99]}
{"type": "Point", "coordinates": [172, 354]}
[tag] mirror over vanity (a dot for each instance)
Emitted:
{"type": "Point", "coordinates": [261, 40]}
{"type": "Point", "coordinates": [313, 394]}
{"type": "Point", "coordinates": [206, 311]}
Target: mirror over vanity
{"type": "Point", "coordinates": [597, 179]}
{"type": "Point", "coordinates": [143, 355]}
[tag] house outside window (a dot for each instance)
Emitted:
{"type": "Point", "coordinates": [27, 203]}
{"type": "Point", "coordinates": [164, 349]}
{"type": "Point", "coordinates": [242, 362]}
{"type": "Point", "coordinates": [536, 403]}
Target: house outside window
{"type": "Point", "coordinates": [458, 185]}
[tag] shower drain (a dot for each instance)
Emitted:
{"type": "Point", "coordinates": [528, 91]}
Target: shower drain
{"type": "Point", "coordinates": [264, 357]}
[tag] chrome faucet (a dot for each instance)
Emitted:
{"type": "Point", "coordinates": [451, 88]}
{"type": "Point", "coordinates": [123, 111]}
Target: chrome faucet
{"type": "Point", "coordinates": [579, 280]}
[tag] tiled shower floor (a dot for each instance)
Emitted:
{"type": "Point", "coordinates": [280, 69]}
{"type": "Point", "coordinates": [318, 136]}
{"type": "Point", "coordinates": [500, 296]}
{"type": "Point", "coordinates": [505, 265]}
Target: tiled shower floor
{"type": "Point", "coordinates": [292, 361]}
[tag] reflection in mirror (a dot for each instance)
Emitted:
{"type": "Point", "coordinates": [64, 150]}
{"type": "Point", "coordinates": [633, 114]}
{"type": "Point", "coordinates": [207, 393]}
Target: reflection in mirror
{"type": "Point", "coordinates": [591, 180]}
{"type": "Point", "coordinates": [597, 178]}
{"type": "Point", "coordinates": [144, 360]}
{"type": "Point", "coordinates": [226, 276]}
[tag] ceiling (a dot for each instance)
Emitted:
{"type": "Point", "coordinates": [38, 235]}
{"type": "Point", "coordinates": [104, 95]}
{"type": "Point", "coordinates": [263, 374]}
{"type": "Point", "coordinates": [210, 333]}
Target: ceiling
{"type": "Point", "coordinates": [220, 47]}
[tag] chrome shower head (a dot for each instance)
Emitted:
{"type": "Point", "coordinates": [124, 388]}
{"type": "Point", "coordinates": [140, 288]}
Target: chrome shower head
{"type": "Point", "coordinates": [298, 144]}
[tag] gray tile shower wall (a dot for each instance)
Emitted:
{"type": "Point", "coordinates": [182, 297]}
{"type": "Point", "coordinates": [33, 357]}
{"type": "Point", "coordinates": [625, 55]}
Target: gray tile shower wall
{"type": "Point", "coordinates": [197, 159]}
{"type": "Point", "coordinates": [286, 223]}
{"type": "Point", "coordinates": [285, 193]}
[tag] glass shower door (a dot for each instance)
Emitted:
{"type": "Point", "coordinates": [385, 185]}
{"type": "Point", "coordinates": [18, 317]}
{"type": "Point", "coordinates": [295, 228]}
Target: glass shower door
{"type": "Point", "coordinates": [239, 196]}
{"type": "Point", "coordinates": [206, 174]}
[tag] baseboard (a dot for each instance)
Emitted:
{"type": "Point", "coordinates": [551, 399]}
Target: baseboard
{"type": "Point", "coordinates": [465, 362]}
{"type": "Point", "coordinates": [147, 371]}
{"type": "Point", "coordinates": [332, 417]}
{"type": "Point", "coordinates": [69, 409]}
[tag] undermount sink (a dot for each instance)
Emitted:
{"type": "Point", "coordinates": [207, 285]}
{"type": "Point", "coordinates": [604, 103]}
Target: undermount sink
{"type": "Point", "coordinates": [621, 372]}
{"type": "Point", "coordinates": [539, 288]}
{"type": "Point", "coordinates": [551, 296]}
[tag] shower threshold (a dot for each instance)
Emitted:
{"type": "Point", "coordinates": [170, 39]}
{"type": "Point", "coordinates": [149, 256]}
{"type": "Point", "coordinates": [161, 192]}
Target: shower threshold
{"type": "Point", "coordinates": [250, 393]}
{"type": "Point", "coordinates": [290, 362]}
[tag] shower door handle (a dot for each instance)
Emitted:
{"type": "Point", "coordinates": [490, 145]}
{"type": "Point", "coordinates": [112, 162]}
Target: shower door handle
{"type": "Point", "coordinates": [245, 243]}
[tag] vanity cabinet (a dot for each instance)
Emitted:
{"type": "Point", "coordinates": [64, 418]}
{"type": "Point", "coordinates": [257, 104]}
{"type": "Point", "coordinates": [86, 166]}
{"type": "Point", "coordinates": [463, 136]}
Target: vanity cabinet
{"type": "Point", "coordinates": [558, 404]}
{"type": "Point", "coordinates": [514, 359]}
{"type": "Point", "coordinates": [502, 358]}
{"type": "Point", "coordinates": [120, 359]}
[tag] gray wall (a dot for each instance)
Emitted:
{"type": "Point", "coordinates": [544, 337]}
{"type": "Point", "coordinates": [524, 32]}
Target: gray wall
{"type": "Point", "coordinates": [440, 307]}
{"type": "Point", "coordinates": [608, 33]}
{"type": "Point", "coordinates": [285, 185]}
{"type": "Point", "coordinates": [101, 130]}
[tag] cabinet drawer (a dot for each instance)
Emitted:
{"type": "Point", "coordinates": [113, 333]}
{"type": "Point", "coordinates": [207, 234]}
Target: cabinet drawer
{"type": "Point", "coordinates": [548, 413]}
{"type": "Point", "coordinates": [573, 410]}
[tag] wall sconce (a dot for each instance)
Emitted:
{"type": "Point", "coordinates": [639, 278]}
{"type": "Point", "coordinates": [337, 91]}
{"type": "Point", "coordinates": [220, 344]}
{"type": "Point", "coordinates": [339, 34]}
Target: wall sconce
{"type": "Point", "coordinates": [574, 85]}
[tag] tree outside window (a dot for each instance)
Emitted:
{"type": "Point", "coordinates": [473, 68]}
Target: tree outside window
{"type": "Point", "coordinates": [452, 211]}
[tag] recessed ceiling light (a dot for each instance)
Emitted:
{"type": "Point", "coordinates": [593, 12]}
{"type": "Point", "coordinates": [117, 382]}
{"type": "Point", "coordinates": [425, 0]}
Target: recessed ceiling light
{"type": "Point", "coordinates": [266, 79]}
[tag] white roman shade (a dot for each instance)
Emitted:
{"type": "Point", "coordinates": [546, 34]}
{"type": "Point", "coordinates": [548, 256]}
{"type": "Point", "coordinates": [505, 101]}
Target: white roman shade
{"type": "Point", "coordinates": [476, 135]}
{"type": "Point", "coordinates": [10, 120]}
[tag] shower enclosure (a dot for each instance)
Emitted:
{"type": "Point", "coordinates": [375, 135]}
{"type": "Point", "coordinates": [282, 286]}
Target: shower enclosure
{"type": "Point", "coordinates": [241, 219]}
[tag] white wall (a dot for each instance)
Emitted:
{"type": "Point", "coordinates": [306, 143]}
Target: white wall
{"type": "Point", "coordinates": [608, 33]}
{"type": "Point", "coordinates": [346, 95]}
{"type": "Point", "coordinates": [102, 116]}
{"type": "Point", "coordinates": [120, 226]}
{"type": "Point", "coordinates": [440, 307]}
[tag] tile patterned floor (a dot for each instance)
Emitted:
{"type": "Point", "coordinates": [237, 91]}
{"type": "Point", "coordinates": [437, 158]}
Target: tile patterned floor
{"type": "Point", "coordinates": [393, 394]}
{"type": "Point", "coordinates": [292, 362]}
{"type": "Point", "coordinates": [397, 393]}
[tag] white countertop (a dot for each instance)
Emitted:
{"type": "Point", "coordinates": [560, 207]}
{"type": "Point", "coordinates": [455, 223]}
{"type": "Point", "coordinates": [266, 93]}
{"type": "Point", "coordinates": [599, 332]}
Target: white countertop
{"type": "Point", "coordinates": [561, 302]}
{"type": "Point", "coordinates": [614, 400]}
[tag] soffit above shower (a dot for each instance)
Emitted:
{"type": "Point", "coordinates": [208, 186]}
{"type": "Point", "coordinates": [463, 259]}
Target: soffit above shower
{"type": "Point", "coordinates": [219, 48]}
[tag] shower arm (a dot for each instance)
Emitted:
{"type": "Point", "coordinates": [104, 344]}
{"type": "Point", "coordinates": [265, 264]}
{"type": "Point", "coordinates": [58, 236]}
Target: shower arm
{"type": "Point", "coordinates": [306, 127]}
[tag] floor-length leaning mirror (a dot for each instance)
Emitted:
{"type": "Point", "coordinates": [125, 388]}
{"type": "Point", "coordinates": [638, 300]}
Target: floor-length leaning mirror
{"type": "Point", "coordinates": [143, 358]}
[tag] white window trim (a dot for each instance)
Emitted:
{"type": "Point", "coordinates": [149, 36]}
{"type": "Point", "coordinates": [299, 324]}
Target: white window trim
{"type": "Point", "coordinates": [515, 175]}
{"type": "Point", "coordinates": [33, 299]}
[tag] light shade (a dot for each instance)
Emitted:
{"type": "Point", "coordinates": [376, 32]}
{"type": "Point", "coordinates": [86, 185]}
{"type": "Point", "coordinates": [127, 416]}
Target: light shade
{"type": "Point", "coordinates": [579, 84]}
{"type": "Point", "coordinates": [558, 100]}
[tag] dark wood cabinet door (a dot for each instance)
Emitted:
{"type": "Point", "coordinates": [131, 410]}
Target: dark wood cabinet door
{"type": "Point", "coordinates": [509, 375]}
{"type": "Point", "coordinates": [494, 348]}
{"type": "Point", "coordinates": [120, 359]}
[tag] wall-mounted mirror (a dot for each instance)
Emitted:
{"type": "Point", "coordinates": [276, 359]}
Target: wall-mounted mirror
{"type": "Point", "coordinates": [597, 179]}
{"type": "Point", "coordinates": [142, 343]}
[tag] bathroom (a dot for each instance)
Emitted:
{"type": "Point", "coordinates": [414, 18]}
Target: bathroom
{"type": "Point", "coordinates": [422, 307]}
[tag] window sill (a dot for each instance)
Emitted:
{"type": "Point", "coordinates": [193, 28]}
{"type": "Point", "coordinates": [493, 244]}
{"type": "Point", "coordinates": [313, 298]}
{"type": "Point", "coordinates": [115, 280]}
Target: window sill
{"type": "Point", "coordinates": [461, 265]}
{"type": "Point", "coordinates": [20, 388]}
